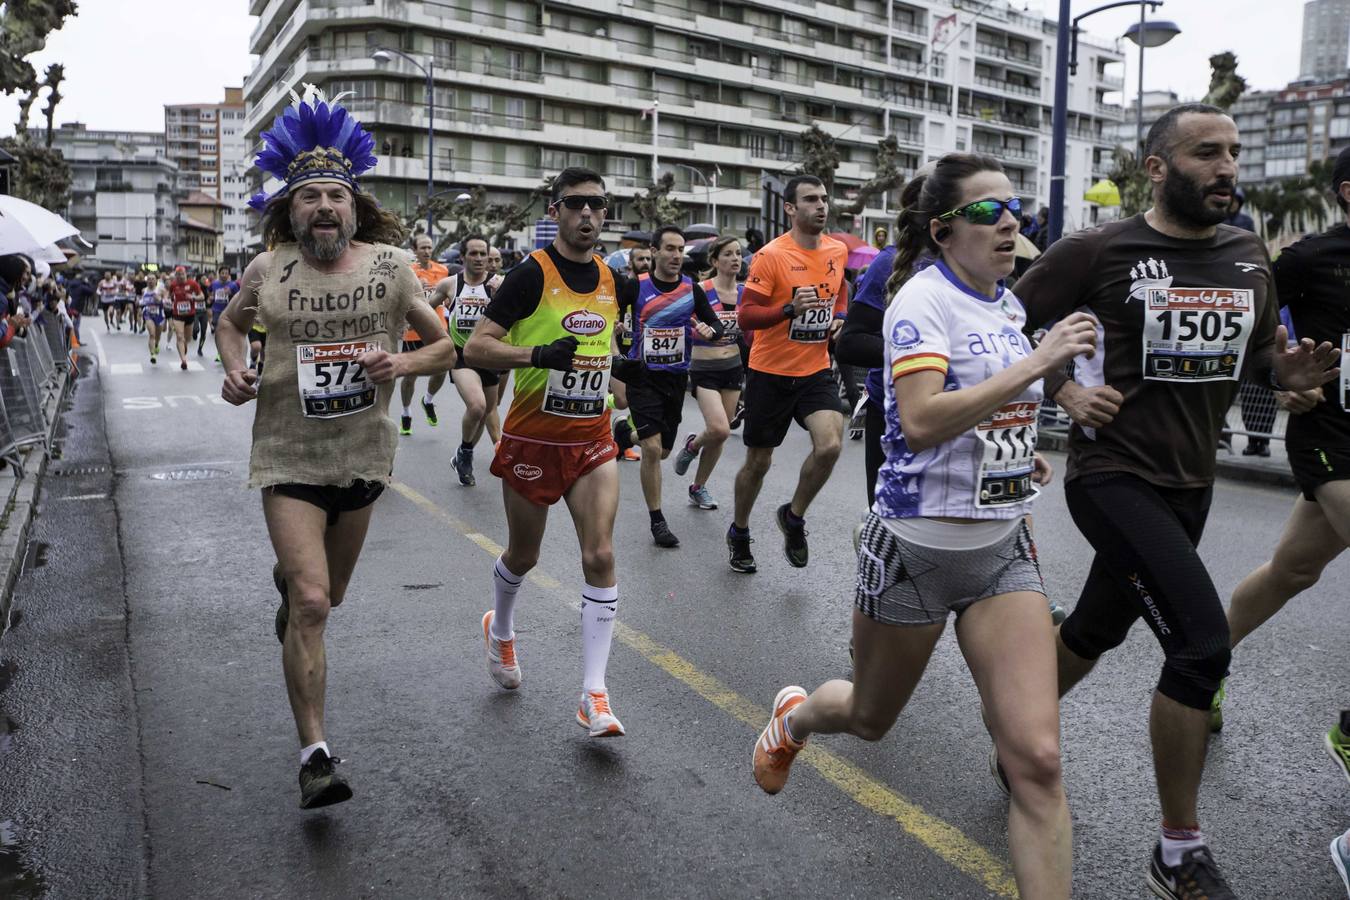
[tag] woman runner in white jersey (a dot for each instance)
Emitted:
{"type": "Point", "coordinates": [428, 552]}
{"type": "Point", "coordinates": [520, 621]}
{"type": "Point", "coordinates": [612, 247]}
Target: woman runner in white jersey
{"type": "Point", "coordinates": [948, 530]}
{"type": "Point", "coordinates": [715, 371]}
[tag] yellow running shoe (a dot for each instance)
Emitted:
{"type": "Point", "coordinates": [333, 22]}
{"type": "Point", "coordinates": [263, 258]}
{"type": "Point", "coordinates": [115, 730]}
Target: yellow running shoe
{"type": "Point", "coordinates": [775, 750]}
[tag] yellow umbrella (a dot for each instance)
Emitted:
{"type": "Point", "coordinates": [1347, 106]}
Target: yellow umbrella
{"type": "Point", "coordinates": [1026, 248]}
{"type": "Point", "coordinates": [1103, 193]}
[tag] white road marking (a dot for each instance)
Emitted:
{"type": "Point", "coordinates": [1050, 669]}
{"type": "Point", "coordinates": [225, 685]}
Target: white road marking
{"type": "Point", "coordinates": [126, 368]}
{"type": "Point", "coordinates": [85, 497]}
{"type": "Point", "coordinates": [98, 345]}
{"type": "Point", "coordinates": [173, 401]}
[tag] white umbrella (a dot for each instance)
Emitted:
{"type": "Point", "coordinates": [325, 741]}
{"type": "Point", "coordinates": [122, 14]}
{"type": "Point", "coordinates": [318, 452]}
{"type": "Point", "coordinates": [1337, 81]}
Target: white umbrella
{"type": "Point", "coordinates": [52, 254]}
{"type": "Point", "coordinates": [15, 238]}
{"type": "Point", "coordinates": [43, 224]}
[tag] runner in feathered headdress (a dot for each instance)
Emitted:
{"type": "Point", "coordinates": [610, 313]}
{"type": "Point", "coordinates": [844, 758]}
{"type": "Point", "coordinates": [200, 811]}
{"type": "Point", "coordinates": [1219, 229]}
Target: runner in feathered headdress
{"type": "Point", "coordinates": [332, 293]}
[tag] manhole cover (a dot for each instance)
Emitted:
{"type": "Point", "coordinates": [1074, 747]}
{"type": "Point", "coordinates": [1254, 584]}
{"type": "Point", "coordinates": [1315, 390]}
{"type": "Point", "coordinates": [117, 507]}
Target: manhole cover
{"type": "Point", "coordinates": [201, 474]}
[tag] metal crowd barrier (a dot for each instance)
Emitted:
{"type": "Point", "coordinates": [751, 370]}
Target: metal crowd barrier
{"type": "Point", "coordinates": [32, 371]}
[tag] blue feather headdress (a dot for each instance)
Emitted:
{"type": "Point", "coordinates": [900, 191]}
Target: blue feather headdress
{"type": "Point", "coordinates": [314, 138]}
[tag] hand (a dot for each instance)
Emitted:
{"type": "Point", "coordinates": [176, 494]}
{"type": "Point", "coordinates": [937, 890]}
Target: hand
{"type": "Point", "coordinates": [557, 355]}
{"type": "Point", "coordinates": [629, 371]}
{"type": "Point", "coordinates": [836, 326]}
{"type": "Point", "coordinates": [21, 319]}
{"type": "Point", "coordinates": [381, 366]}
{"type": "Point", "coordinates": [1305, 365]}
{"type": "Point", "coordinates": [239, 387]}
{"type": "Point", "coordinates": [1043, 472]}
{"type": "Point", "coordinates": [803, 297]}
{"type": "Point", "coordinates": [703, 330]}
{"type": "Point", "coordinates": [1299, 401]}
{"type": "Point", "coordinates": [620, 329]}
{"type": "Point", "coordinates": [1090, 407]}
{"type": "Point", "coordinates": [1074, 335]}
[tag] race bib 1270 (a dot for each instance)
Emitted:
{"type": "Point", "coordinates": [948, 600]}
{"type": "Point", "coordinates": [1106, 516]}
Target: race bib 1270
{"type": "Point", "coordinates": [1196, 334]}
{"type": "Point", "coordinates": [331, 383]}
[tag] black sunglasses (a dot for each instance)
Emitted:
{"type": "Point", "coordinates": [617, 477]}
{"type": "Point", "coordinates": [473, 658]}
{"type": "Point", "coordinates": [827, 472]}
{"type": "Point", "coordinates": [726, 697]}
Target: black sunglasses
{"type": "Point", "coordinates": [577, 201]}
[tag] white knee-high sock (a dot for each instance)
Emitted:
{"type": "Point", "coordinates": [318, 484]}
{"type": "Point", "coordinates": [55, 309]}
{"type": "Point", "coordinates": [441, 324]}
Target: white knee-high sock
{"type": "Point", "coordinates": [598, 606]}
{"type": "Point", "coordinates": [505, 586]}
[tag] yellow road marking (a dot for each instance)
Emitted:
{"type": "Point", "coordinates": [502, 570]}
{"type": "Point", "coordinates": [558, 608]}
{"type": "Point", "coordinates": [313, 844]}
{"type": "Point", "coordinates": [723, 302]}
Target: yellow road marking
{"type": "Point", "coordinates": [944, 839]}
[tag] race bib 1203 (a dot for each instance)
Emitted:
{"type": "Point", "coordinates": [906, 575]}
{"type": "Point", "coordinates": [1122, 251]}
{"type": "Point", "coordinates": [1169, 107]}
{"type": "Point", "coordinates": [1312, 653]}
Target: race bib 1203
{"type": "Point", "coordinates": [1196, 334]}
{"type": "Point", "coordinates": [331, 383]}
{"type": "Point", "coordinates": [811, 325]}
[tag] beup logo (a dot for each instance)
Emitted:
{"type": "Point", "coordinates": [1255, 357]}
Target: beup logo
{"type": "Point", "coordinates": [527, 472]}
{"type": "Point", "coordinates": [584, 322]}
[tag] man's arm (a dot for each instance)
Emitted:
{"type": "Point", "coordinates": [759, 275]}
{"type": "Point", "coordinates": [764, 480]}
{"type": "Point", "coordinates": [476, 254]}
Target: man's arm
{"type": "Point", "coordinates": [1052, 288]}
{"type": "Point", "coordinates": [232, 330]}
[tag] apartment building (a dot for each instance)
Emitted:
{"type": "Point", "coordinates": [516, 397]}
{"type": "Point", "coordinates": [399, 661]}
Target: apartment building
{"type": "Point", "coordinates": [526, 87]}
{"type": "Point", "coordinates": [123, 195]}
{"type": "Point", "coordinates": [207, 142]}
{"type": "Point", "coordinates": [1326, 40]}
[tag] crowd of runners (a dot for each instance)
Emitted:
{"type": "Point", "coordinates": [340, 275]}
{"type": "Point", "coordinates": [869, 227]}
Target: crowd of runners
{"type": "Point", "coordinates": [1158, 317]}
{"type": "Point", "coordinates": [177, 307]}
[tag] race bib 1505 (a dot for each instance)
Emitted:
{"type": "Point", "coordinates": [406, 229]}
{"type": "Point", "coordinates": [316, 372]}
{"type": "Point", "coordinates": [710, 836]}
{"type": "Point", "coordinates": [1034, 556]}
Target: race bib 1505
{"type": "Point", "coordinates": [1196, 334]}
{"type": "Point", "coordinates": [331, 383]}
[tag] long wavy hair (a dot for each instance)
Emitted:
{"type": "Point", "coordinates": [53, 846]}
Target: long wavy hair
{"type": "Point", "coordinates": [923, 200]}
{"type": "Point", "coordinates": [715, 250]}
{"type": "Point", "coordinates": [374, 224]}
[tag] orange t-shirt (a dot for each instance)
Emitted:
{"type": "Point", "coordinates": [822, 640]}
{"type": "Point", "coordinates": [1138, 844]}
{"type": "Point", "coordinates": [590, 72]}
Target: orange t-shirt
{"type": "Point", "coordinates": [430, 277]}
{"type": "Point", "coordinates": [799, 346]}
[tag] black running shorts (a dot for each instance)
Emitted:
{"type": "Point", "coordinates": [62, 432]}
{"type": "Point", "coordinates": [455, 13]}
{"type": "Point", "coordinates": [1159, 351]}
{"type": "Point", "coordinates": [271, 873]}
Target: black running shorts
{"type": "Point", "coordinates": [489, 377]}
{"type": "Point", "coordinates": [716, 379]}
{"type": "Point", "coordinates": [332, 499]}
{"type": "Point", "coordinates": [656, 404]}
{"type": "Point", "coordinates": [1314, 467]}
{"type": "Point", "coordinates": [773, 402]}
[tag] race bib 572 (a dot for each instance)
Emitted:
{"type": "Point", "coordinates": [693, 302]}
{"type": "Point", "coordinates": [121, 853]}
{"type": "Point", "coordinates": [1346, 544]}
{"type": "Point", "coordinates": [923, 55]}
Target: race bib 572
{"type": "Point", "coordinates": [331, 383]}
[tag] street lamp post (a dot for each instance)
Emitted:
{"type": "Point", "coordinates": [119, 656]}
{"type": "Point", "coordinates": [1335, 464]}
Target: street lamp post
{"type": "Point", "coordinates": [712, 207]}
{"type": "Point", "coordinates": [385, 55]}
{"type": "Point", "coordinates": [1149, 34]}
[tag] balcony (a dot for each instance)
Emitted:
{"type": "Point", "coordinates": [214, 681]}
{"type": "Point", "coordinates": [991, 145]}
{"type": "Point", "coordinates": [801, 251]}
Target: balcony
{"type": "Point", "coordinates": [1111, 82]}
{"type": "Point", "coordinates": [1000, 118]}
{"type": "Point", "coordinates": [1110, 110]}
{"type": "Point", "coordinates": [1032, 61]}
{"type": "Point", "coordinates": [1008, 153]}
{"type": "Point", "coordinates": [999, 84]}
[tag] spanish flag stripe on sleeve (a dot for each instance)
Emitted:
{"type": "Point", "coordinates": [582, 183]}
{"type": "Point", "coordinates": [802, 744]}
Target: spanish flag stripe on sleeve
{"type": "Point", "coordinates": [919, 362]}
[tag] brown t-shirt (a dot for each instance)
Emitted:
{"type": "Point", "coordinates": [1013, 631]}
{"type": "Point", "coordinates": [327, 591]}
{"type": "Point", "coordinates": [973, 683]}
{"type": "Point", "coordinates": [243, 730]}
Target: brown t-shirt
{"type": "Point", "coordinates": [319, 420]}
{"type": "Point", "coordinates": [1181, 322]}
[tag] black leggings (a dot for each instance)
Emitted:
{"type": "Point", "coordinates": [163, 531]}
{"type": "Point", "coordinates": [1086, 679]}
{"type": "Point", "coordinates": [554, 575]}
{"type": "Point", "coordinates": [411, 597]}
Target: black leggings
{"type": "Point", "coordinates": [1147, 566]}
{"type": "Point", "coordinates": [874, 426]}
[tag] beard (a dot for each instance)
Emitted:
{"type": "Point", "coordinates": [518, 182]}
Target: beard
{"type": "Point", "coordinates": [324, 249]}
{"type": "Point", "coordinates": [1185, 199]}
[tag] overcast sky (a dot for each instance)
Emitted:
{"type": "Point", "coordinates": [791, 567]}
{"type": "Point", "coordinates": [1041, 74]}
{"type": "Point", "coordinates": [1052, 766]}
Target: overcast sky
{"type": "Point", "coordinates": [125, 59]}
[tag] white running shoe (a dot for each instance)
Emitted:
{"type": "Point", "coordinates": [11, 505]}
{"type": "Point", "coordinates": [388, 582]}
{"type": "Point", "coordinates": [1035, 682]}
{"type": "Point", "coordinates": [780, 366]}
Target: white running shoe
{"type": "Point", "coordinates": [501, 656]}
{"type": "Point", "coordinates": [594, 714]}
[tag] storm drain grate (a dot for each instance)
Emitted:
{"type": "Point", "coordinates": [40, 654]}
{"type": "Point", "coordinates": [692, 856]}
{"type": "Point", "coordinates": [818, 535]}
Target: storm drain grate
{"type": "Point", "coordinates": [197, 474]}
{"type": "Point", "coordinates": [72, 471]}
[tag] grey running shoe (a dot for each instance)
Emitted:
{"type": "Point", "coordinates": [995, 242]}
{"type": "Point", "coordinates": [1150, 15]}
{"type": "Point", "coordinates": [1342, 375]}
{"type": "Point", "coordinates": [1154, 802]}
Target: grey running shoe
{"type": "Point", "coordinates": [1341, 859]}
{"type": "Point", "coordinates": [1196, 878]}
{"type": "Point", "coordinates": [685, 456]}
{"type": "Point", "coordinates": [1057, 612]}
{"type": "Point", "coordinates": [701, 497]}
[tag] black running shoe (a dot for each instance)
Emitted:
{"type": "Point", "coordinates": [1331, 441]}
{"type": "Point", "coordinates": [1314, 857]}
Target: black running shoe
{"type": "Point", "coordinates": [405, 424]}
{"type": "Point", "coordinates": [463, 464]}
{"type": "Point", "coordinates": [430, 410]}
{"type": "Point", "coordinates": [663, 536]}
{"type": "Point", "coordinates": [742, 560]}
{"type": "Point", "coordinates": [319, 784]}
{"type": "Point", "coordinates": [284, 609]}
{"type": "Point", "coordinates": [738, 416]}
{"type": "Point", "coordinates": [794, 538]}
{"type": "Point", "coordinates": [1197, 878]}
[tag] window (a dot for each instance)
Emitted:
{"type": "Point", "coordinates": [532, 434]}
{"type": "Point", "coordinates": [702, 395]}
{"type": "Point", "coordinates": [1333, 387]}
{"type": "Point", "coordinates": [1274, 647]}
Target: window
{"type": "Point", "coordinates": [515, 63]}
{"type": "Point", "coordinates": [481, 107]}
{"type": "Point", "coordinates": [553, 160]}
{"type": "Point", "coordinates": [515, 112]}
{"type": "Point", "coordinates": [444, 97]}
{"type": "Point", "coordinates": [443, 50]}
{"type": "Point", "coordinates": [625, 171]}
{"type": "Point", "coordinates": [755, 143]}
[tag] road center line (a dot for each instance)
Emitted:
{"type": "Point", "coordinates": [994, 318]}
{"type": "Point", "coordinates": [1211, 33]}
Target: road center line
{"type": "Point", "coordinates": [944, 839]}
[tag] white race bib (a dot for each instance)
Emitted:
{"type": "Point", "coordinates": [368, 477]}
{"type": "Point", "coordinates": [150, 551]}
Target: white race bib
{"type": "Point", "coordinates": [1008, 442]}
{"type": "Point", "coordinates": [811, 325]}
{"type": "Point", "coordinates": [731, 327]}
{"type": "Point", "coordinates": [1196, 334]}
{"type": "Point", "coordinates": [468, 310]}
{"type": "Point", "coordinates": [663, 345]}
{"type": "Point", "coordinates": [331, 383]}
{"type": "Point", "coordinates": [580, 393]}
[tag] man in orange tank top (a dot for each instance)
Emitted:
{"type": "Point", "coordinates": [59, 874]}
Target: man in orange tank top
{"type": "Point", "coordinates": [430, 273]}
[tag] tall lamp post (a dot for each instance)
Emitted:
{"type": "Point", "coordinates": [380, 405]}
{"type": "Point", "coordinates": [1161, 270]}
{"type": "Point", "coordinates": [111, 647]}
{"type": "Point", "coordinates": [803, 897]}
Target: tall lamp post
{"type": "Point", "coordinates": [385, 55]}
{"type": "Point", "coordinates": [1145, 34]}
{"type": "Point", "coordinates": [712, 207]}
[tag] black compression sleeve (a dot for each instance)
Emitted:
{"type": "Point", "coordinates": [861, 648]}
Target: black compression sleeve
{"type": "Point", "coordinates": [860, 342]}
{"type": "Point", "coordinates": [703, 309]}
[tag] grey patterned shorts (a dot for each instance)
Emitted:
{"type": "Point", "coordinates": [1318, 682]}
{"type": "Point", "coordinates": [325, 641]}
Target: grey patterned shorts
{"type": "Point", "coordinates": [901, 583]}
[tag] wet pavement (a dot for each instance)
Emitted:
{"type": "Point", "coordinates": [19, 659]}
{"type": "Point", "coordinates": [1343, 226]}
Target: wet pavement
{"type": "Point", "coordinates": [153, 753]}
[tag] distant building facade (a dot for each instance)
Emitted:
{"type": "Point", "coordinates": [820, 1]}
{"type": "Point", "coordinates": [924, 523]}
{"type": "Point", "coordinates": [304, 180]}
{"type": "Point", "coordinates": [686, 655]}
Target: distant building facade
{"type": "Point", "coordinates": [206, 141]}
{"type": "Point", "coordinates": [1326, 40]}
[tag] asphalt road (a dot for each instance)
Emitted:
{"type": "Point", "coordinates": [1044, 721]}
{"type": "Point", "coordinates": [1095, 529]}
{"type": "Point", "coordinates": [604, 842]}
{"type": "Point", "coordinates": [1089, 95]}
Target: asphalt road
{"type": "Point", "coordinates": [464, 790]}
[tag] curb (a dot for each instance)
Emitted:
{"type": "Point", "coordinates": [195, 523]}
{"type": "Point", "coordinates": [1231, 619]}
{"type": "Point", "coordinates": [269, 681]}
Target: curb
{"type": "Point", "coordinates": [1231, 469]}
{"type": "Point", "coordinates": [22, 504]}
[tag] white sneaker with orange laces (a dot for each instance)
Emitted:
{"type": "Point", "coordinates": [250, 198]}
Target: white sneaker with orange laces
{"type": "Point", "coordinates": [775, 750]}
{"type": "Point", "coordinates": [594, 714]}
{"type": "Point", "coordinates": [501, 656]}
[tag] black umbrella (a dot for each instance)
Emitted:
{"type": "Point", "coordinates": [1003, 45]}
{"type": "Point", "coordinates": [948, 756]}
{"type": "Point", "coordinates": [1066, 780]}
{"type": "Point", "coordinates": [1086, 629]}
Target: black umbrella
{"type": "Point", "coordinates": [642, 237]}
{"type": "Point", "coordinates": [701, 230]}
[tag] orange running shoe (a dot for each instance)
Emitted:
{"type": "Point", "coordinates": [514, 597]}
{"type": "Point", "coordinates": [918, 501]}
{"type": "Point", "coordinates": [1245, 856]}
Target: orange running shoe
{"type": "Point", "coordinates": [594, 714]}
{"type": "Point", "coordinates": [775, 750]}
{"type": "Point", "coordinates": [501, 656]}
{"type": "Point", "coordinates": [632, 454]}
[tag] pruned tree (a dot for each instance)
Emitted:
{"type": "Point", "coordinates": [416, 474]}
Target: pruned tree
{"type": "Point", "coordinates": [1225, 84]}
{"type": "Point", "coordinates": [41, 174]}
{"type": "Point", "coordinates": [56, 73]}
{"type": "Point", "coordinates": [888, 176]}
{"type": "Point", "coordinates": [820, 156]}
{"type": "Point", "coordinates": [1129, 177]}
{"type": "Point", "coordinates": [655, 207]}
{"type": "Point", "coordinates": [474, 215]}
